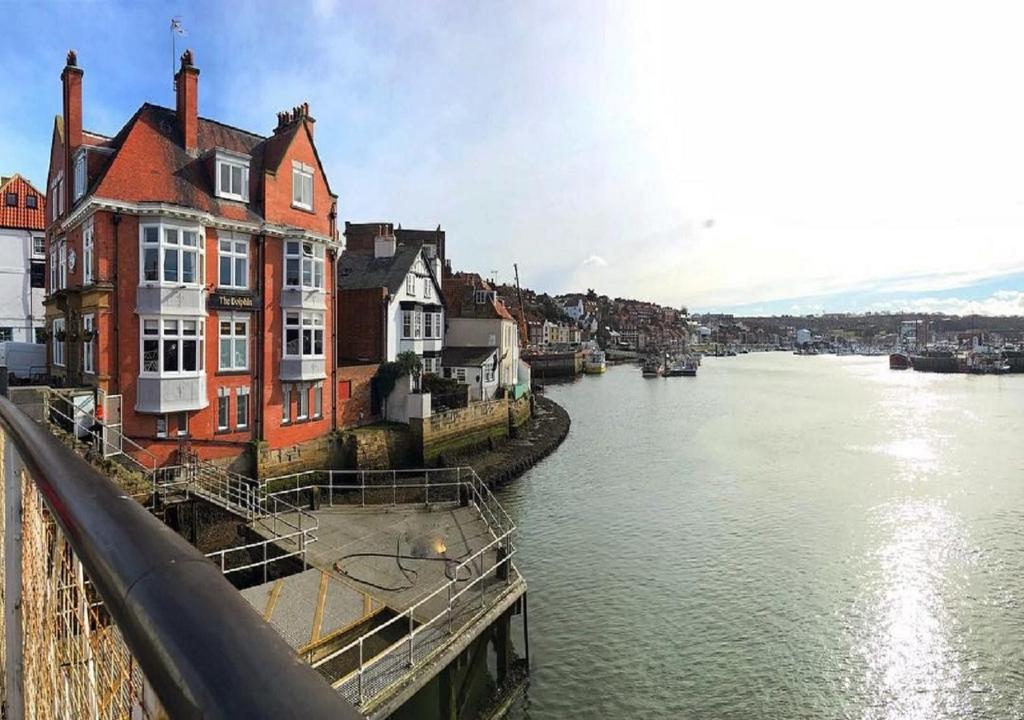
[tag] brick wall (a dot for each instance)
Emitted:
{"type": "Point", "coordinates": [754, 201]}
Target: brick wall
{"type": "Point", "coordinates": [355, 396]}
{"type": "Point", "coordinates": [361, 325]}
{"type": "Point", "coordinates": [461, 430]}
{"type": "Point", "coordinates": [379, 447]}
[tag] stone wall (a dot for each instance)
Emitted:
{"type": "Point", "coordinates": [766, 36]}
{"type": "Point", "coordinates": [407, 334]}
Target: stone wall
{"type": "Point", "coordinates": [377, 447]}
{"type": "Point", "coordinates": [519, 411]}
{"type": "Point", "coordinates": [316, 454]}
{"type": "Point", "coordinates": [461, 430]}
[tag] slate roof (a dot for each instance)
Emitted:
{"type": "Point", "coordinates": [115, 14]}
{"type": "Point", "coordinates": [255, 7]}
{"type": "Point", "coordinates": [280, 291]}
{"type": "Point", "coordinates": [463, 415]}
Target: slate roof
{"type": "Point", "coordinates": [361, 272]}
{"type": "Point", "coordinates": [460, 297]}
{"type": "Point", "coordinates": [466, 356]}
{"type": "Point", "coordinates": [150, 163]}
{"type": "Point", "coordinates": [19, 216]}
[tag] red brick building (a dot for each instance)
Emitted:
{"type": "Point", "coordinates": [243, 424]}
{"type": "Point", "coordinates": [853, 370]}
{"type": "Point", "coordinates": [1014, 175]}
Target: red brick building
{"type": "Point", "coordinates": [191, 271]}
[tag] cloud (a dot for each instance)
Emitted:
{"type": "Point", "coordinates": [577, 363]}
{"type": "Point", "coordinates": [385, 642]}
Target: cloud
{"type": "Point", "coordinates": [595, 261]}
{"type": "Point", "coordinates": [1002, 302]}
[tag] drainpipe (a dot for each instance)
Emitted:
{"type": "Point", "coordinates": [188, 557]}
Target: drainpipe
{"type": "Point", "coordinates": [334, 344]}
{"type": "Point", "coordinates": [258, 366]}
{"type": "Point", "coordinates": [117, 306]}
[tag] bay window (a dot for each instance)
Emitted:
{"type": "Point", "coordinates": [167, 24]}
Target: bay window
{"type": "Point", "coordinates": [234, 342]}
{"type": "Point", "coordinates": [234, 261]}
{"type": "Point", "coordinates": [303, 334]}
{"type": "Point", "coordinates": [302, 185]}
{"type": "Point", "coordinates": [172, 254]}
{"type": "Point", "coordinates": [417, 324]}
{"type": "Point", "coordinates": [303, 264]}
{"type": "Point", "coordinates": [172, 346]}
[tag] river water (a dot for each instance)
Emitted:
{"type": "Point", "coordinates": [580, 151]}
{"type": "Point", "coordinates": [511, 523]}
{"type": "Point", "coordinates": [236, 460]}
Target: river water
{"type": "Point", "coordinates": [780, 537]}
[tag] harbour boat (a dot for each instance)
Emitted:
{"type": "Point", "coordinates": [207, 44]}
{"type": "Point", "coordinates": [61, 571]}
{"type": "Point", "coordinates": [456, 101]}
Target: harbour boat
{"type": "Point", "coordinates": [987, 363]}
{"type": "Point", "coordinates": [595, 363]}
{"type": "Point", "coordinates": [899, 360]}
{"type": "Point", "coordinates": [939, 360]}
{"type": "Point", "coordinates": [683, 367]}
{"type": "Point", "coordinates": [651, 368]}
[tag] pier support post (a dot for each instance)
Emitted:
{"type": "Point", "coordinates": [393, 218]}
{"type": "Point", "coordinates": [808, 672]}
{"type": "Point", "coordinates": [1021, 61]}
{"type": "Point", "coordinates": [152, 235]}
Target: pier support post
{"type": "Point", "coordinates": [503, 645]}
{"type": "Point", "coordinates": [447, 704]}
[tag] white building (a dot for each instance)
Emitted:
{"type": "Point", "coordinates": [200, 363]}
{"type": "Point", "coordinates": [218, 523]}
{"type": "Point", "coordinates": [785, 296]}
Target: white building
{"type": "Point", "coordinates": [476, 367]}
{"type": "Point", "coordinates": [478, 319]}
{"type": "Point", "coordinates": [574, 309]}
{"type": "Point", "coordinates": [23, 261]}
{"type": "Point", "coordinates": [391, 302]}
{"type": "Point", "coordinates": [803, 336]}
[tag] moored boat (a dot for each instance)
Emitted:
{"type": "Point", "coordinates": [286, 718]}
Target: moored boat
{"type": "Point", "coordinates": [651, 368]}
{"type": "Point", "coordinates": [595, 363]}
{"type": "Point", "coordinates": [899, 361]}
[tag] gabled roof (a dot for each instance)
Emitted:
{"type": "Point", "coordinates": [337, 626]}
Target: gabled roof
{"type": "Point", "coordinates": [19, 216]}
{"type": "Point", "coordinates": [360, 271]}
{"type": "Point", "coordinates": [466, 356]}
{"type": "Point", "coordinates": [460, 297]}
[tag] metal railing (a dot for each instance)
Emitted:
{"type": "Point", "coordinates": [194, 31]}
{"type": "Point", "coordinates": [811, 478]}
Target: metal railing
{"type": "Point", "coordinates": [463, 598]}
{"type": "Point", "coordinates": [107, 613]}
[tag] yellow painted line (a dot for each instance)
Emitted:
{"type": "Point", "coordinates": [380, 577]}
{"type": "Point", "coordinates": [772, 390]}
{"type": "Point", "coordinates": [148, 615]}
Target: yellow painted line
{"type": "Point", "coordinates": [318, 615]}
{"type": "Point", "coordinates": [275, 593]}
{"type": "Point", "coordinates": [367, 604]}
{"type": "Point", "coordinates": [334, 634]}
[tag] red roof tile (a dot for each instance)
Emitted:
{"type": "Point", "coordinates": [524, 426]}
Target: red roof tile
{"type": "Point", "coordinates": [19, 215]}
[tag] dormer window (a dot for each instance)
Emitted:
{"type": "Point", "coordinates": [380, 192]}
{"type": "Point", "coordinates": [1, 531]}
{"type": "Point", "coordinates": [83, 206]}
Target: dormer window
{"type": "Point", "coordinates": [302, 186]}
{"type": "Point", "coordinates": [80, 174]}
{"type": "Point", "coordinates": [232, 175]}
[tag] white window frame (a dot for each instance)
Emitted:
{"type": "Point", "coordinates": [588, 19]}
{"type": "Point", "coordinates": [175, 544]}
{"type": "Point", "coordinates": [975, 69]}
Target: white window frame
{"type": "Point", "coordinates": [88, 346]}
{"type": "Point", "coordinates": [318, 400]}
{"type": "Point", "coordinates": [303, 322]}
{"type": "Point", "coordinates": [233, 247]}
{"type": "Point", "coordinates": [57, 191]}
{"type": "Point", "coordinates": [428, 288]}
{"type": "Point", "coordinates": [407, 324]}
{"type": "Point", "coordinates": [161, 426]}
{"type": "Point", "coordinates": [62, 263]}
{"type": "Point", "coordinates": [223, 410]}
{"type": "Point", "coordinates": [489, 374]}
{"type": "Point", "coordinates": [410, 285]}
{"type": "Point", "coordinates": [417, 324]}
{"type": "Point", "coordinates": [286, 404]}
{"type": "Point", "coordinates": [308, 259]}
{"type": "Point", "coordinates": [302, 411]}
{"type": "Point", "coordinates": [237, 169]}
{"type": "Point", "coordinates": [53, 267]}
{"type": "Point", "coordinates": [302, 186]}
{"type": "Point", "coordinates": [242, 419]}
{"type": "Point", "coordinates": [460, 374]}
{"type": "Point", "coordinates": [178, 431]}
{"type": "Point", "coordinates": [58, 345]}
{"type": "Point", "coordinates": [39, 252]}
{"type": "Point", "coordinates": [232, 338]}
{"type": "Point", "coordinates": [88, 251]}
{"type": "Point", "coordinates": [167, 333]}
{"type": "Point", "coordinates": [80, 173]}
{"type": "Point", "coordinates": [163, 246]}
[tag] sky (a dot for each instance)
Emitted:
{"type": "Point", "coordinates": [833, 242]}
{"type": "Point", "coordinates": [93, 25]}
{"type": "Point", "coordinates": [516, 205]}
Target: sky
{"type": "Point", "coordinates": [749, 157]}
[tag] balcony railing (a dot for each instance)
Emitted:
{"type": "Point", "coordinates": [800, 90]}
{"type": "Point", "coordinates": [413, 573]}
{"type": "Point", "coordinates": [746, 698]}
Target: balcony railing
{"type": "Point", "coordinates": [107, 613]}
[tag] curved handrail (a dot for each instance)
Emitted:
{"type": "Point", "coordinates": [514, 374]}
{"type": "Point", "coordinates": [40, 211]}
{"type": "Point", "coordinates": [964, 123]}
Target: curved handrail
{"type": "Point", "coordinates": [201, 646]}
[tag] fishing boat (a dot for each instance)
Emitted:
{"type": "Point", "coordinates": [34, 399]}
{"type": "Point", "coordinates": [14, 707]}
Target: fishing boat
{"type": "Point", "coordinates": [987, 362]}
{"type": "Point", "coordinates": [595, 363]}
{"type": "Point", "coordinates": [683, 367]}
{"type": "Point", "coordinates": [651, 368]}
{"type": "Point", "coordinates": [899, 360]}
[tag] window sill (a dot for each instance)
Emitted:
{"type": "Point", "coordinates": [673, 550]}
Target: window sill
{"type": "Point", "coordinates": [230, 373]}
{"type": "Point", "coordinates": [303, 208]}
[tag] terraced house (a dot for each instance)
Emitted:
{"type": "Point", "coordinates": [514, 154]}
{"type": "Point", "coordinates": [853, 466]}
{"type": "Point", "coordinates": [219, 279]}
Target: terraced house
{"type": "Point", "coordinates": [190, 274]}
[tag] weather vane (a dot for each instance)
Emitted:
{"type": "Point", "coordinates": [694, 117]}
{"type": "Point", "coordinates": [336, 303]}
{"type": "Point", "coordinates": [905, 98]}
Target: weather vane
{"type": "Point", "coordinates": [176, 29]}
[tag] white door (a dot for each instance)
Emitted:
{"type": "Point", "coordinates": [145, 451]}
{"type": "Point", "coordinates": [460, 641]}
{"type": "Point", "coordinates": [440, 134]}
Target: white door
{"type": "Point", "coordinates": [84, 406]}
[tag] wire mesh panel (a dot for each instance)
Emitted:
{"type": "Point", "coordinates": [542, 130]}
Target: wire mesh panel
{"type": "Point", "coordinates": [75, 662]}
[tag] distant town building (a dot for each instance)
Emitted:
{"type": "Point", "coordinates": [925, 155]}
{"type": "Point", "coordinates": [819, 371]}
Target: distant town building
{"type": "Point", "coordinates": [479, 319]}
{"type": "Point", "coordinates": [803, 336]}
{"type": "Point", "coordinates": [23, 268]}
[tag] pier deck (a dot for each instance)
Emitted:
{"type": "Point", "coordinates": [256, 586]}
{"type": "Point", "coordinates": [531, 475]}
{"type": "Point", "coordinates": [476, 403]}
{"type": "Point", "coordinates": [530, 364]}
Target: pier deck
{"type": "Point", "coordinates": [378, 572]}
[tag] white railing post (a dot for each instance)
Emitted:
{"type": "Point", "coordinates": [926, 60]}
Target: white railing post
{"type": "Point", "coordinates": [394, 488]}
{"type": "Point", "coordinates": [412, 636]}
{"type": "Point", "coordinates": [361, 670]}
{"type": "Point", "coordinates": [265, 562]}
{"type": "Point", "coordinates": [362, 476]}
{"type": "Point", "coordinates": [450, 584]}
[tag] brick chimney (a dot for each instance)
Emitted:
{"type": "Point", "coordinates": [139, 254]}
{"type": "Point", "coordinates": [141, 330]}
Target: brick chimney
{"type": "Point", "coordinates": [71, 82]}
{"type": "Point", "coordinates": [299, 113]}
{"type": "Point", "coordinates": [186, 83]}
